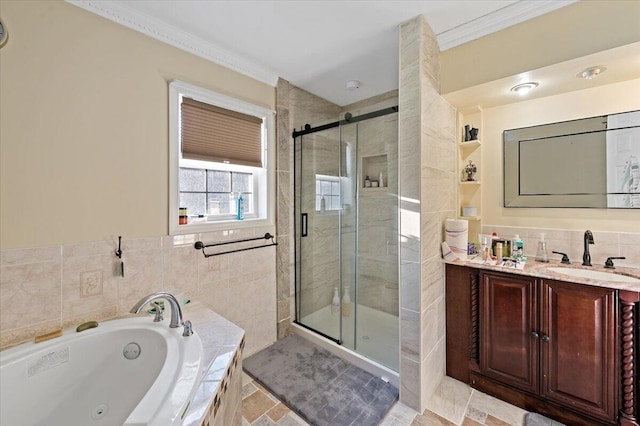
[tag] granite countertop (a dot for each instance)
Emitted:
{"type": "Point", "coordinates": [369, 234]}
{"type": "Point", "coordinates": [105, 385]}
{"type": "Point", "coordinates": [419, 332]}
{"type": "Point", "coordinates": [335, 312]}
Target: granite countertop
{"type": "Point", "coordinates": [541, 270]}
{"type": "Point", "coordinates": [220, 340]}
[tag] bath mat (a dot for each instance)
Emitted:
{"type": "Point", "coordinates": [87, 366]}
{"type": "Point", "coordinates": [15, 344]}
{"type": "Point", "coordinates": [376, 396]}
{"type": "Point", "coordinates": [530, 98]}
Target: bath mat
{"type": "Point", "coordinates": [535, 419]}
{"type": "Point", "coordinates": [320, 387]}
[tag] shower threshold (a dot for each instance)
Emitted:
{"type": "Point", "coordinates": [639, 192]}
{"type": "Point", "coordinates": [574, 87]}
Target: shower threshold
{"type": "Point", "coordinates": [377, 345]}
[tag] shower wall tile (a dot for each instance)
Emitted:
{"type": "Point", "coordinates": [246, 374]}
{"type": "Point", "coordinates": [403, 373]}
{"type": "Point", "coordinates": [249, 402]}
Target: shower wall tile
{"type": "Point", "coordinates": [437, 190]}
{"type": "Point", "coordinates": [284, 147]}
{"type": "Point", "coordinates": [410, 289]}
{"type": "Point", "coordinates": [433, 370]}
{"type": "Point", "coordinates": [410, 382]}
{"type": "Point", "coordinates": [433, 326]}
{"type": "Point", "coordinates": [432, 271]}
{"type": "Point", "coordinates": [429, 55]}
{"type": "Point", "coordinates": [375, 103]}
{"type": "Point", "coordinates": [285, 205]}
{"type": "Point", "coordinates": [410, 334]}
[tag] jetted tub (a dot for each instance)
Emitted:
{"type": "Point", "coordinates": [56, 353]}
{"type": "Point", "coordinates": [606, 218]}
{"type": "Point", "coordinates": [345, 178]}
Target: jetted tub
{"type": "Point", "coordinates": [124, 372]}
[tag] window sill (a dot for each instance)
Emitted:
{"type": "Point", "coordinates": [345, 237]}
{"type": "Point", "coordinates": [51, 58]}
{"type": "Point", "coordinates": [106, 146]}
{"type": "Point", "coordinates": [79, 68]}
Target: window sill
{"type": "Point", "coordinates": [198, 227]}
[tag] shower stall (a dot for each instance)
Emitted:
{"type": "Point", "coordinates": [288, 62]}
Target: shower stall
{"type": "Point", "coordinates": [346, 233]}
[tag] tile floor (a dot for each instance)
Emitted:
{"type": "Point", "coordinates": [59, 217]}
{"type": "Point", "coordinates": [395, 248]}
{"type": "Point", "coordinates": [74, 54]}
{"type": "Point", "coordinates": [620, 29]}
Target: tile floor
{"type": "Point", "coordinates": [454, 404]}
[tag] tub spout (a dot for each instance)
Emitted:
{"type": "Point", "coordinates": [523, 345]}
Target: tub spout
{"type": "Point", "coordinates": [176, 312]}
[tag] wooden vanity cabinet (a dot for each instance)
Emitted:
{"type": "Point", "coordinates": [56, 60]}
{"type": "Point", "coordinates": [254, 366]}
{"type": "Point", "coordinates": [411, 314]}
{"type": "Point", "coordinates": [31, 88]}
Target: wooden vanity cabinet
{"type": "Point", "coordinates": [547, 346]}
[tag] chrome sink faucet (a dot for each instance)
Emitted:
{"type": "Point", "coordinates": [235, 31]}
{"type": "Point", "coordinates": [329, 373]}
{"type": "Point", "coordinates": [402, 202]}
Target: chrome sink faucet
{"type": "Point", "coordinates": [176, 312]}
{"type": "Point", "coordinates": [586, 257]}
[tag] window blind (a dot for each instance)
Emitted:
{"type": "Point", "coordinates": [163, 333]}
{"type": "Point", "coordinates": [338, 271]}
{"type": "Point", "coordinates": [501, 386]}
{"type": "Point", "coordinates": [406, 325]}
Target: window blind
{"type": "Point", "coordinates": [211, 133]}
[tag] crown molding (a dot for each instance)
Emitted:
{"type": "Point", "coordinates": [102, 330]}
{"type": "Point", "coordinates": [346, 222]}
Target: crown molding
{"type": "Point", "coordinates": [175, 37]}
{"type": "Point", "coordinates": [500, 19]}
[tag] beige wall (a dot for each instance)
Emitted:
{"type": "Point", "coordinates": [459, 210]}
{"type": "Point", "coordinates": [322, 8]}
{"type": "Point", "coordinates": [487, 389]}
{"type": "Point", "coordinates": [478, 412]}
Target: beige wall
{"type": "Point", "coordinates": [84, 124]}
{"type": "Point", "coordinates": [570, 32]}
{"type": "Point", "coordinates": [84, 158]}
{"type": "Point", "coordinates": [612, 98]}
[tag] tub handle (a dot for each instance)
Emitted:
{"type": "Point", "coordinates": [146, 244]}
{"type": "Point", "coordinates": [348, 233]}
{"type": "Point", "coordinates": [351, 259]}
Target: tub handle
{"type": "Point", "coordinates": [159, 309]}
{"type": "Point", "coordinates": [188, 329]}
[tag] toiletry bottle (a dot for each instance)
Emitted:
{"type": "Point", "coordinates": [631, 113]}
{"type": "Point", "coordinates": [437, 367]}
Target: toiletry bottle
{"type": "Point", "coordinates": [240, 207]}
{"type": "Point", "coordinates": [367, 182]}
{"type": "Point", "coordinates": [541, 254]}
{"type": "Point", "coordinates": [335, 303]}
{"type": "Point", "coordinates": [381, 180]}
{"type": "Point", "coordinates": [517, 247]}
{"type": "Point", "coordinates": [346, 302]}
{"type": "Point", "coordinates": [484, 243]}
{"type": "Point", "coordinates": [499, 253]}
{"type": "Point", "coordinates": [323, 204]}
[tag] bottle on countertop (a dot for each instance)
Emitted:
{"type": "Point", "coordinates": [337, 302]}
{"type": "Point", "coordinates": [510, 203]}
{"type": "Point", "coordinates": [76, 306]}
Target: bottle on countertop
{"type": "Point", "coordinates": [542, 255]}
{"type": "Point", "coordinates": [517, 247]}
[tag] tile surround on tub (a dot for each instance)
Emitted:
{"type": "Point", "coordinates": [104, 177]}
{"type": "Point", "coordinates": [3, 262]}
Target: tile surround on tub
{"type": "Point", "coordinates": [47, 288]}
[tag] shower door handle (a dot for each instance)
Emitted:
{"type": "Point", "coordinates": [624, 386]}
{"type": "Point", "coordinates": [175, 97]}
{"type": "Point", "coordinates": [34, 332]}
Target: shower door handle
{"type": "Point", "coordinates": [303, 224]}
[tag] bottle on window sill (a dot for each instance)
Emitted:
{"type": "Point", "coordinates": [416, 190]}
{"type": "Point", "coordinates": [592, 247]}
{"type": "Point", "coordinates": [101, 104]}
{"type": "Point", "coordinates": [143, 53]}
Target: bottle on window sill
{"type": "Point", "coordinates": [240, 207]}
{"type": "Point", "coordinates": [323, 204]}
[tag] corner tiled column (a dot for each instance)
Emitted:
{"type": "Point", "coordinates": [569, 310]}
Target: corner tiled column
{"type": "Point", "coordinates": [284, 210]}
{"type": "Point", "coordinates": [427, 198]}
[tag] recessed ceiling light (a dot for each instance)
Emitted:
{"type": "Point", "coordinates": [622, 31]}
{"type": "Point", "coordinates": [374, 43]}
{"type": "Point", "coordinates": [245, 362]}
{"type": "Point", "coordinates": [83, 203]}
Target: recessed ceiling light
{"type": "Point", "coordinates": [591, 73]}
{"type": "Point", "coordinates": [524, 88]}
{"type": "Point", "coordinates": [353, 85]}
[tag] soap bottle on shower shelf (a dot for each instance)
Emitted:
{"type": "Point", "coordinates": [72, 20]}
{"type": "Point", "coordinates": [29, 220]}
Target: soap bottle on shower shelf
{"type": "Point", "coordinates": [381, 180]}
{"type": "Point", "coordinates": [335, 303]}
{"type": "Point", "coordinates": [346, 302]}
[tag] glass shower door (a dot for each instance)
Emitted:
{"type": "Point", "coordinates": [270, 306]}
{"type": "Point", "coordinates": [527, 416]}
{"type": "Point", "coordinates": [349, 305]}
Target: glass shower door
{"type": "Point", "coordinates": [318, 209]}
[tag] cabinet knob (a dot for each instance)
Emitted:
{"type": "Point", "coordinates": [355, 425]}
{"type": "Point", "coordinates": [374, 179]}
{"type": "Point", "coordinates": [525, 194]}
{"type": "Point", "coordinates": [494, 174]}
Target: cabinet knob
{"type": "Point", "coordinates": [545, 338]}
{"type": "Point", "coordinates": [535, 335]}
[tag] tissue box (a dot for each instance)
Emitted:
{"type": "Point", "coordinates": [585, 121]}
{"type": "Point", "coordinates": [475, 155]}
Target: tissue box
{"type": "Point", "coordinates": [469, 211]}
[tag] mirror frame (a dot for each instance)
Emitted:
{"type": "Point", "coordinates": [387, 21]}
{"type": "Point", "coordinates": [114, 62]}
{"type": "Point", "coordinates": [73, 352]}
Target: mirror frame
{"type": "Point", "coordinates": [511, 140]}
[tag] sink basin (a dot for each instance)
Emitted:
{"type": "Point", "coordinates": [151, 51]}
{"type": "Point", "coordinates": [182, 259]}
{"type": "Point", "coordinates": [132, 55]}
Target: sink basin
{"type": "Point", "coordinates": [596, 275]}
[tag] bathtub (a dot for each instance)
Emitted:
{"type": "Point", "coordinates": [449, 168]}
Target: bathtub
{"type": "Point", "coordinates": [124, 372]}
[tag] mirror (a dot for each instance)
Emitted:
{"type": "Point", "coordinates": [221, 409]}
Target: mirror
{"type": "Point", "coordinates": [587, 163]}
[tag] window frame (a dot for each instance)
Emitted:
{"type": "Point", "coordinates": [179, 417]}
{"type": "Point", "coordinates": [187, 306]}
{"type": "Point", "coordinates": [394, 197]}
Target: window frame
{"type": "Point", "coordinates": [264, 178]}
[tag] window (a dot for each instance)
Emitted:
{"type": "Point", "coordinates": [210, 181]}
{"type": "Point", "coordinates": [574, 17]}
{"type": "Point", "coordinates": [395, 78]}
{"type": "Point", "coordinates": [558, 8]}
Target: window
{"type": "Point", "coordinates": [327, 188]}
{"type": "Point", "coordinates": [221, 148]}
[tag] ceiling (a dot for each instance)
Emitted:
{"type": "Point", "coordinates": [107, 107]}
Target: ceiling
{"type": "Point", "coordinates": [316, 45]}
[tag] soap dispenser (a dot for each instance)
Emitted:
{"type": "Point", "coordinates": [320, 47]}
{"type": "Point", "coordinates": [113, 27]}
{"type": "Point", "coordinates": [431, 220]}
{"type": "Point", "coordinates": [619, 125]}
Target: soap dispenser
{"type": "Point", "coordinates": [542, 255]}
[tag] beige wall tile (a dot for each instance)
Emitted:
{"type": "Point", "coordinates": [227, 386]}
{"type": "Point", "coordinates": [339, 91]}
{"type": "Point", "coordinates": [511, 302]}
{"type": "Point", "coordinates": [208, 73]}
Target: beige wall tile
{"type": "Point", "coordinates": [30, 255]}
{"type": "Point", "coordinates": [30, 294]}
{"type": "Point", "coordinates": [89, 283]}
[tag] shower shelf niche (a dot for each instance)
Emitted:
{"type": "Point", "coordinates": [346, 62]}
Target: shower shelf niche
{"type": "Point", "coordinates": [372, 166]}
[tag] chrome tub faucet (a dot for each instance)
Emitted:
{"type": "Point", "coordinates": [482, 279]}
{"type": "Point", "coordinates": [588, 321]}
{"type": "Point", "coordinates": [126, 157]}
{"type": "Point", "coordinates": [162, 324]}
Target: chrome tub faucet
{"type": "Point", "coordinates": [176, 312]}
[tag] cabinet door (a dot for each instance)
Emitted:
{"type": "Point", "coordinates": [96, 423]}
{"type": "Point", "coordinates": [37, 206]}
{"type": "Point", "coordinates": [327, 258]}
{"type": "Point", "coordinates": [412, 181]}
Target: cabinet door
{"type": "Point", "coordinates": [462, 320]}
{"type": "Point", "coordinates": [578, 341]}
{"type": "Point", "coordinates": [508, 321]}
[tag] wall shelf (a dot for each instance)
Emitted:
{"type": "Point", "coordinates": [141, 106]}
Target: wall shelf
{"type": "Point", "coordinates": [470, 144]}
{"type": "Point", "coordinates": [470, 192]}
